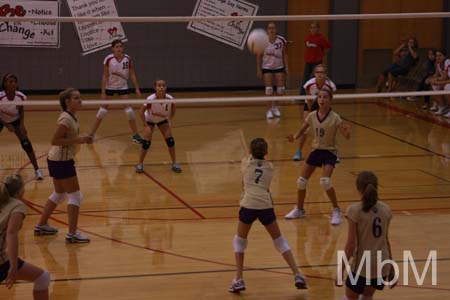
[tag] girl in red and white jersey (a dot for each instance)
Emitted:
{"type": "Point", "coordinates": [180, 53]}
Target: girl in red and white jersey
{"type": "Point", "coordinates": [117, 69]}
{"type": "Point", "coordinates": [13, 118]}
{"type": "Point", "coordinates": [441, 81]}
{"type": "Point", "coordinates": [160, 115]}
{"type": "Point", "coordinates": [272, 66]}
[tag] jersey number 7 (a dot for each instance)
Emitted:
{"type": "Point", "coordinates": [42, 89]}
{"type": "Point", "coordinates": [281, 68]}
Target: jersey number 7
{"type": "Point", "coordinates": [258, 173]}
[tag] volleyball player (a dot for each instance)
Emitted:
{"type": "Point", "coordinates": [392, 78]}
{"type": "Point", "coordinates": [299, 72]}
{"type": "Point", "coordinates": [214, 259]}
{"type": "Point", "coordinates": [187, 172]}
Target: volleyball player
{"type": "Point", "coordinates": [13, 118]}
{"type": "Point", "coordinates": [160, 115]}
{"type": "Point", "coordinates": [12, 214]}
{"type": "Point", "coordinates": [256, 203]}
{"type": "Point", "coordinates": [324, 124]}
{"type": "Point", "coordinates": [65, 145]}
{"type": "Point", "coordinates": [368, 225]}
{"type": "Point", "coordinates": [438, 83]}
{"type": "Point", "coordinates": [312, 87]}
{"type": "Point", "coordinates": [272, 67]}
{"type": "Point", "coordinates": [117, 69]}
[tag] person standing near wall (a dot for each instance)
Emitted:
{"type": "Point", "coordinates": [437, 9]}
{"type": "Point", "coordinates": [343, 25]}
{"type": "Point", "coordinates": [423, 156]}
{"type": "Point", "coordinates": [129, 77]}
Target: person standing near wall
{"type": "Point", "coordinates": [316, 48]}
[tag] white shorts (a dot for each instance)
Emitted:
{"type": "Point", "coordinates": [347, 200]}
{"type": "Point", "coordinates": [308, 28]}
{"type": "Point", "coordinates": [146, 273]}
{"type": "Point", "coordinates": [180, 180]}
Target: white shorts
{"type": "Point", "coordinates": [437, 87]}
{"type": "Point", "coordinates": [447, 87]}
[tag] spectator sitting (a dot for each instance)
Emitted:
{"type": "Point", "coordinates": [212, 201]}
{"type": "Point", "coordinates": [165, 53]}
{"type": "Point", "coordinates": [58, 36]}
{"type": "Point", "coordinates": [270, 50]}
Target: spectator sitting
{"type": "Point", "coordinates": [427, 71]}
{"type": "Point", "coordinates": [406, 55]}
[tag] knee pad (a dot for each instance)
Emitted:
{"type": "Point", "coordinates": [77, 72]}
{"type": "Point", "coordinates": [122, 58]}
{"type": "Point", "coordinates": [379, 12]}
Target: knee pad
{"type": "Point", "coordinates": [130, 113]}
{"type": "Point", "coordinates": [101, 113]}
{"type": "Point", "coordinates": [239, 244]}
{"type": "Point", "coordinates": [75, 198]}
{"type": "Point", "coordinates": [301, 183]}
{"type": "Point", "coordinates": [269, 91]}
{"type": "Point", "coordinates": [146, 144]}
{"type": "Point", "coordinates": [325, 182]}
{"type": "Point", "coordinates": [281, 90]}
{"type": "Point", "coordinates": [281, 244]}
{"type": "Point", "coordinates": [57, 198]}
{"type": "Point", "coordinates": [170, 142]}
{"type": "Point", "coordinates": [42, 282]}
{"type": "Point", "coordinates": [26, 145]}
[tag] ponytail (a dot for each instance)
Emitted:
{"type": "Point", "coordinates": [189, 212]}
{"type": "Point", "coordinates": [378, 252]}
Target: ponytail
{"type": "Point", "coordinates": [367, 185]}
{"type": "Point", "coordinates": [4, 194]}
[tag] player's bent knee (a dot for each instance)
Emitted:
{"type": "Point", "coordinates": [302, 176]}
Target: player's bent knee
{"type": "Point", "coordinates": [302, 183]}
{"type": "Point", "coordinates": [269, 91]}
{"type": "Point", "coordinates": [42, 282]}
{"type": "Point", "coordinates": [130, 113]}
{"type": "Point", "coordinates": [146, 144]}
{"type": "Point", "coordinates": [281, 244]}
{"type": "Point", "coordinates": [325, 183]}
{"type": "Point", "coordinates": [75, 198]}
{"type": "Point", "coordinates": [170, 142]}
{"type": "Point", "coordinates": [101, 113]}
{"type": "Point", "coordinates": [57, 198]}
{"type": "Point", "coordinates": [26, 145]}
{"type": "Point", "coordinates": [239, 244]}
{"type": "Point", "coordinates": [281, 90]}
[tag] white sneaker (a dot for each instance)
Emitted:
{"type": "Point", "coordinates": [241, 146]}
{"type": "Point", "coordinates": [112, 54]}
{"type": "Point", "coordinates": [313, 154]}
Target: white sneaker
{"type": "Point", "coordinates": [39, 174]}
{"type": "Point", "coordinates": [296, 213]}
{"type": "Point", "coordinates": [276, 111]}
{"type": "Point", "coordinates": [300, 282]}
{"type": "Point", "coordinates": [441, 110]}
{"type": "Point", "coordinates": [336, 218]}
{"type": "Point", "coordinates": [434, 107]}
{"type": "Point", "coordinates": [447, 115]}
{"type": "Point", "coordinates": [269, 114]}
{"type": "Point", "coordinates": [45, 230]}
{"type": "Point", "coordinates": [76, 238]}
{"type": "Point", "coordinates": [237, 285]}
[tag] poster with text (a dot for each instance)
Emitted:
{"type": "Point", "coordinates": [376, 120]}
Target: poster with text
{"type": "Point", "coordinates": [233, 33]}
{"type": "Point", "coordinates": [29, 34]}
{"type": "Point", "coordinates": [95, 36]}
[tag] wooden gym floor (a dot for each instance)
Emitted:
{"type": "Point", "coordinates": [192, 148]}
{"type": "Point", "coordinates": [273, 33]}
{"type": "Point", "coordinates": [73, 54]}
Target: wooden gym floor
{"type": "Point", "coordinates": [161, 235]}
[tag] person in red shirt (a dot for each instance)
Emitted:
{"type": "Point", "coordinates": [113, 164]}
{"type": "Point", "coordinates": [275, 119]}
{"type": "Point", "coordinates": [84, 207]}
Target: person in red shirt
{"type": "Point", "coordinates": [316, 48]}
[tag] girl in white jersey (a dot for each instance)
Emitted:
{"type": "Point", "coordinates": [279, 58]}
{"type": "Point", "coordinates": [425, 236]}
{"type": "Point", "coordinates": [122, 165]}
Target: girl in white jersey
{"type": "Point", "coordinates": [159, 114]}
{"type": "Point", "coordinates": [441, 81]}
{"type": "Point", "coordinates": [324, 124]}
{"type": "Point", "coordinates": [117, 69]}
{"type": "Point", "coordinates": [272, 66]}
{"type": "Point", "coordinates": [312, 87]}
{"type": "Point", "coordinates": [256, 203]}
{"type": "Point", "coordinates": [368, 226]}
{"type": "Point", "coordinates": [13, 118]}
{"type": "Point", "coordinates": [65, 145]}
{"type": "Point", "coordinates": [12, 214]}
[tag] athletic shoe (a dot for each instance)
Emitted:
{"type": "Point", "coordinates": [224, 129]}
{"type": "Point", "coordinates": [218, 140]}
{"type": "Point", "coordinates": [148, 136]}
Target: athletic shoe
{"type": "Point", "coordinates": [276, 111]}
{"type": "Point", "coordinates": [296, 214]}
{"type": "Point", "coordinates": [434, 107]}
{"type": "Point", "coordinates": [45, 230]}
{"type": "Point", "coordinates": [338, 160]}
{"type": "Point", "coordinates": [76, 238]}
{"type": "Point", "coordinates": [336, 217]}
{"type": "Point", "coordinates": [269, 114]}
{"type": "Point", "coordinates": [300, 282]}
{"type": "Point", "coordinates": [139, 168]}
{"type": "Point", "coordinates": [137, 139]}
{"type": "Point", "coordinates": [425, 106]}
{"type": "Point", "coordinates": [176, 168]}
{"type": "Point", "coordinates": [39, 174]}
{"type": "Point", "coordinates": [447, 115]}
{"type": "Point", "coordinates": [412, 99]}
{"type": "Point", "coordinates": [237, 285]}
{"type": "Point", "coordinates": [441, 111]}
{"type": "Point", "coordinates": [297, 155]}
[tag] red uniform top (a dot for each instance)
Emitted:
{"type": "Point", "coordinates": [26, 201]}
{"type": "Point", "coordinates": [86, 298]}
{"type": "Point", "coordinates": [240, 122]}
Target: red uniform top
{"type": "Point", "coordinates": [315, 47]}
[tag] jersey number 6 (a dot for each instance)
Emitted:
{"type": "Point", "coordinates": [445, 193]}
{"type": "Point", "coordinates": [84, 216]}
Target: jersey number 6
{"type": "Point", "coordinates": [376, 227]}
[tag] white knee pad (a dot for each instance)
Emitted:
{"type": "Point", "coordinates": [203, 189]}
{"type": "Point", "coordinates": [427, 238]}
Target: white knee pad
{"type": "Point", "coordinates": [281, 90]}
{"type": "Point", "coordinates": [75, 198]}
{"type": "Point", "coordinates": [269, 91]}
{"type": "Point", "coordinates": [57, 198]}
{"type": "Point", "coordinates": [281, 244]}
{"type": "Point", "coordinates": [239, 244]}
{"type": "Point", "coordinates": [325, 182]}
{"type": "Point", "coordinates": [301, 183]}
{"type": "Point", "coordinates": [130, 113]}
{"type": "Point", "coordinates": [42, 282]}
{"type": "Point", "coordinates": [101, 113]}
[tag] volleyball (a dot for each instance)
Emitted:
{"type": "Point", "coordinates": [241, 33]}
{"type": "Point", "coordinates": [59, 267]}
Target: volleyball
{"type": "Point", "coordinates": [257, 41]}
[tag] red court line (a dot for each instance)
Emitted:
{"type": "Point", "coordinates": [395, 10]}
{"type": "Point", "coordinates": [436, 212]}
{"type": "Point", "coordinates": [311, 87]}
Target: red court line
{"type": "Point", "coordinates": [427, 118]}
{"type": "Point", "coordinates": [174, 195]}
